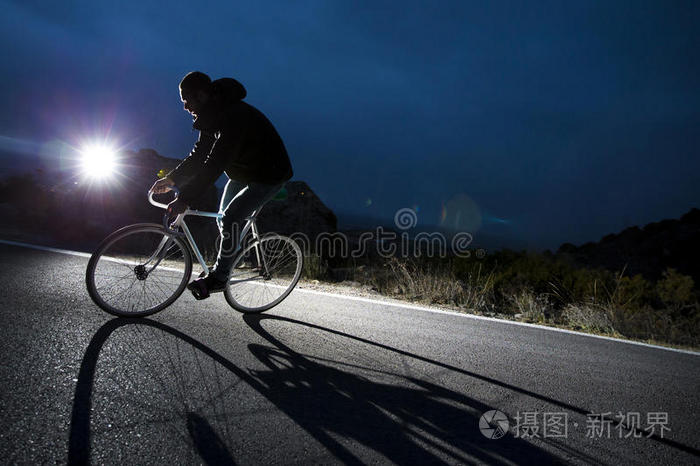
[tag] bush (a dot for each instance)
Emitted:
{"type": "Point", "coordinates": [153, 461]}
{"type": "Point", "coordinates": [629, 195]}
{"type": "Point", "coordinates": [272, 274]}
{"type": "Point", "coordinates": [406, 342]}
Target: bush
{"type": "Point", "coordinates": [675, 290]}
{"type": "Point", "coordinates": [588, 318]}
{"type": "Point", "coordinates": [632, 293]}
{"type": "Point", "coordinates": [532, 307]}
{"type": "Point", "coordinates": [315, 268]}
{"type": "Point", "coordinates": [545, 288]}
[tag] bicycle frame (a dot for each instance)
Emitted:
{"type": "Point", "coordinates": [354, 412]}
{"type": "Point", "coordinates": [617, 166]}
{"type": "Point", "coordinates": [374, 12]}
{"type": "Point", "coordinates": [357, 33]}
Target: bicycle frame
{"type": "Point", "coordinates": [180, 222]}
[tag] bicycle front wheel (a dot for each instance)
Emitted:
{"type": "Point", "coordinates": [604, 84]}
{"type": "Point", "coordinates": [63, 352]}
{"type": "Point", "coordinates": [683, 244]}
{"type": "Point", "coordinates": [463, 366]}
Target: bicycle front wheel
{"type": "Point", "coordinates": [263, 274]}
{"type": "Point", "coordinates": [138, 270]}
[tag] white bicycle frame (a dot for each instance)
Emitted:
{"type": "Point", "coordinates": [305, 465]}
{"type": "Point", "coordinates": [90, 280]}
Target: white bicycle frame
{"type": "Point", "coordinates": [180, 222]}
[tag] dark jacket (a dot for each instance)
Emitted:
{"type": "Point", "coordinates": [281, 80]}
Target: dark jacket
{"type": "Point", "coordinates": [235, 138]}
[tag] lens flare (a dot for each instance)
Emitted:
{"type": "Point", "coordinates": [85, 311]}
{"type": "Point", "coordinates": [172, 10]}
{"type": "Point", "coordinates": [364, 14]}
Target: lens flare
{"type": "Point", "coordinates": [461, 213]}
{"type": "Point", "coordinates": [98, 161]}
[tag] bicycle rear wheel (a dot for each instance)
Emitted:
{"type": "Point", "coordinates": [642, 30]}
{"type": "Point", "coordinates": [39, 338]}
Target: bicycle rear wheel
{"type": "Point", "coordinates": [138, 270]}
{"type": "Point", "coordinates": [262, 277]}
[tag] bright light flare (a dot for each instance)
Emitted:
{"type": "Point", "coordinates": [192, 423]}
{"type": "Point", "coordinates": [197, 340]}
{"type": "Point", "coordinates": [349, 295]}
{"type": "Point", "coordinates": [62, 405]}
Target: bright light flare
{"type": "Point", "coordinates": [98, 161]}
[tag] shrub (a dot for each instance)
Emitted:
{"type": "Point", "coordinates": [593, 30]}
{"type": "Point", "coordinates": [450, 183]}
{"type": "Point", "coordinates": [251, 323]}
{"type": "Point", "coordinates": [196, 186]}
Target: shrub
{"type": "Point", "coordinates": [314, 268]}
{"type": "Point", "coordinates": [533, 307]}
{"type": "Point", "coordinates": [632, 293]}
{"type": "Point", "coordinates": [588, 318]}
{"type": "Point", "coordinates": [674, 289]}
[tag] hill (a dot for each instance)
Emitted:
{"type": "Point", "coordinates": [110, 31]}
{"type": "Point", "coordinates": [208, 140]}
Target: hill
{"type": "Point", "coordinates": [648, 250]}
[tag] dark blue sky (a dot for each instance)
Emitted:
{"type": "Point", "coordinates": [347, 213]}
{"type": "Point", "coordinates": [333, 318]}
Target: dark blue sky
{"type": "Point", "coordinates": [537, 122]}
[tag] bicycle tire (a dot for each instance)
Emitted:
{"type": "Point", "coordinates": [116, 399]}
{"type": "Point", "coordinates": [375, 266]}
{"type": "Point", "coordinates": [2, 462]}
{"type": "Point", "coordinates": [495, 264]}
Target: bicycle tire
{"type": "Point", "coordinates": [129, 246]}
{"type": "Point", "coordinates": [284, 258]}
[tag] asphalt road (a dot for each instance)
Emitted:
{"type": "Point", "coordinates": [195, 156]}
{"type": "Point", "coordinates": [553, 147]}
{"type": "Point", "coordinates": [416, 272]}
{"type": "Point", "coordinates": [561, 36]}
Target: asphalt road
{"type": "Point", "coordinates": [319, 380]}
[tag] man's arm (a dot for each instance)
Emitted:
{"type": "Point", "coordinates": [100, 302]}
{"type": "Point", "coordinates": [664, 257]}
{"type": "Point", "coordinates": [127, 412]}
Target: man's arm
{"type": "Point", "coordinates": [193, 163]}
{"type": "Point", "coordinates": [219, 157]}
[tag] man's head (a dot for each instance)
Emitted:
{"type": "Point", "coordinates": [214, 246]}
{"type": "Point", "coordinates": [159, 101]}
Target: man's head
{"type": "Point", "coordinates": [195, 91]}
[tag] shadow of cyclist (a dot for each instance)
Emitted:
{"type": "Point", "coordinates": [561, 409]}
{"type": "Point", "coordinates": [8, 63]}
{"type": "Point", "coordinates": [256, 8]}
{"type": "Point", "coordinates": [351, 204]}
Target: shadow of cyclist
{"type": "Point", "coordinates": [180, 408]}
{"type": "Point", "coordinates": [350, 415]}
{"type": "Point", "coordinates": [418, 424]}
{"type": "Point", "coordinates": [254, 322]}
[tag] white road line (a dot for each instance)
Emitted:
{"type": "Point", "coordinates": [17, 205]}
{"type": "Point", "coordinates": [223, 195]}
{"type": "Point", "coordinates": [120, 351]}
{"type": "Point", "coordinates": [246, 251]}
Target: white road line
{"type": "Point", "coordinates": [492, 319]}
{"type": "Point", "coordinates": [80, 254]}
{"type": "Point", "coordinates": [46, 248]}
{"type": "Point", "coordinates": [404, 306]}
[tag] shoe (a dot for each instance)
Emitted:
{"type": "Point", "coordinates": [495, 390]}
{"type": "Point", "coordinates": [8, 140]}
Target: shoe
{"type": "Point", "coordinates": [245, 264]}
{"type": "Point", "coordinates": [202, 288]}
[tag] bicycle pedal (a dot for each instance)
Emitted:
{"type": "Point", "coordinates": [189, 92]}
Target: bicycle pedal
{"type": "Point", "coordinates": [245, 265]}
{"type": "Point", "coordinates": [199, 294]}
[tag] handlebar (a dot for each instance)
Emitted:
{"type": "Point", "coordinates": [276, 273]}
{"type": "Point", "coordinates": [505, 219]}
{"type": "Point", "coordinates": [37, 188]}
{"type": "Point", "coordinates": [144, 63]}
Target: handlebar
{"type": "Point", "coordinates": [160, 204]}
{"type": "Point", "coordinates": [166, 217]}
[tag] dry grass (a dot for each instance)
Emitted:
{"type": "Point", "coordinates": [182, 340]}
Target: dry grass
{"type": "Point", "coordinates": [431, 283]}
{"type": "Point", "coordinates": [314, 268]}
{"type": "Point", "coordinates": [588, 318]}
{"type": "Point", "coordinates": [614, 308]}
{"type": "Point", "coordinates": [530, 306]}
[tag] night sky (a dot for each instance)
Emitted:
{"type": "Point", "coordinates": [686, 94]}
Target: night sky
{"type": "Point", "coordinates": [535, 122]}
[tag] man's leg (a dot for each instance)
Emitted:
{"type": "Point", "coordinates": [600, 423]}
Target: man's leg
{"type": "Point", "coordinates": [240, 203]}
{"type": "Point", "coordinates": [226, 243]}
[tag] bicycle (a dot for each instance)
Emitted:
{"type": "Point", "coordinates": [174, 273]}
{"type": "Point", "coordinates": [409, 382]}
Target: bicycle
{"type": "Point", "coordinates": [143, 268]}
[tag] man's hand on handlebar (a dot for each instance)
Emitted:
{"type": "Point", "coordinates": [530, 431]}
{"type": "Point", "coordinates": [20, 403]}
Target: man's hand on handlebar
{"type": "Point", "coordinates": [162, 186]}
{"type": "Point", "coordinates": [176, 207]}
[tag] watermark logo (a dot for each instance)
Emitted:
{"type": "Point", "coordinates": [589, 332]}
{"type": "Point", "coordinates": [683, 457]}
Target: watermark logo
{"type": "Point", "coordinates": [395, 242]}
{"type": "Point", "coordinates": [493, 424]}
{"type": "Point", "coordinates": [405, 219]}
{"type": "Point", "coordinates": [534, 424]}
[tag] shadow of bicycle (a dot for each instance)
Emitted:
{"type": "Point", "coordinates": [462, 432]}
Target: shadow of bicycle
{"type": "Point", "coordinates": [148, 391]}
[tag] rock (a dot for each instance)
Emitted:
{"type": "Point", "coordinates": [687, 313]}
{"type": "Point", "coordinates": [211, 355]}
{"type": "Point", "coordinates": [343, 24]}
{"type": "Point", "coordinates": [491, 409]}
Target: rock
{"type": "Point", "coordinates": [302, 215]}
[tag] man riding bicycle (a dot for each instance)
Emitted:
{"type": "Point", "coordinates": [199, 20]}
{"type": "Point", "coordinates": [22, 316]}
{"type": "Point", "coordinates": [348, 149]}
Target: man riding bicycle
{"type": "Point", "coordinates": [234, 138]}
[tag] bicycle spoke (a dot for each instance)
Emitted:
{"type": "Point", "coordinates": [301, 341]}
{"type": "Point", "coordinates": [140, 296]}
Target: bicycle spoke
{"type": "Point", "coordinates": [125, 277]}
{"type": "Point", "coordinates": [278, 271]}
{"type": "Point", "coordinates": [143, 290]}
{"type": "Point", "coordinates": [165, 295]}
{"type": "Point", "coordinates": [286, 262]}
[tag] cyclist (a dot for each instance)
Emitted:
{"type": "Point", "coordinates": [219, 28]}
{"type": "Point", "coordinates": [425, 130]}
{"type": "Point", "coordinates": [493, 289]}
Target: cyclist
{"type": "Point", "coordinates": [234, 138]}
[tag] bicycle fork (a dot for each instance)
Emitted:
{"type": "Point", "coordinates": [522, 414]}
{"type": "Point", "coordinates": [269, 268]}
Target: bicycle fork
{"type": "Point", "coordinates": [159, 253]}
{"type": "Point", "coordinates": [258, 255]}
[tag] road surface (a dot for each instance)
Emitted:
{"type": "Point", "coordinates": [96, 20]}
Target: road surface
{"type": "Point", "coordinates": [321, 380]}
